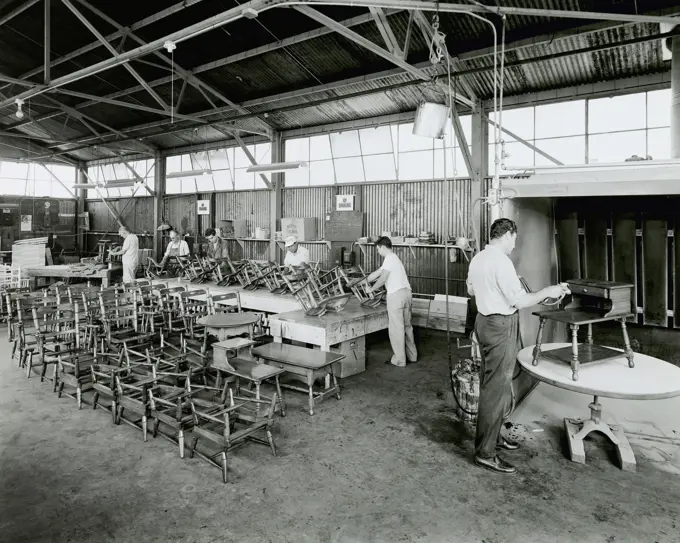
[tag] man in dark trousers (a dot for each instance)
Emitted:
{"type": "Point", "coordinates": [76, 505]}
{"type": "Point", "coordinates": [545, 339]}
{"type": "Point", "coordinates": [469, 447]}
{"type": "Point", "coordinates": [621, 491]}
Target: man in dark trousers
{"type": "Point", "coordinates": [499, 294]}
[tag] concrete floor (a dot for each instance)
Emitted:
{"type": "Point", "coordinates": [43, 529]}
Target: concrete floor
{"type": "Point", "coordinates": [387, 463]}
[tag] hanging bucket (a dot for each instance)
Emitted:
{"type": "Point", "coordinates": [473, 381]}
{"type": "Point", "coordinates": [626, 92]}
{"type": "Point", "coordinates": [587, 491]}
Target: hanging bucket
{"type": "Point", "coordinates": [430, 121]}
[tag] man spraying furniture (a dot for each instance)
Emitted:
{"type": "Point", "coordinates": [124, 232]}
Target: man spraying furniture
{"type": "Point", "coordinates": [130, 252]}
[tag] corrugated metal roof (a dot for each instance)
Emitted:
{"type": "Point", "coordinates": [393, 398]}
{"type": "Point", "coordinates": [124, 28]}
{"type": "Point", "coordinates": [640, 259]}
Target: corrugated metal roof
{"type": "Point", "coordinates": [312, 62]}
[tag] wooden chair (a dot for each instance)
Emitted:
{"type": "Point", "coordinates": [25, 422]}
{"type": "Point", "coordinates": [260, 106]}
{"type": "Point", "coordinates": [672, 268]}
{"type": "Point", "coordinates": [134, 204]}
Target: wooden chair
{"type": "Point", "coordinates": [217, 303]}
{"type": "Point", "coordinates": [357, 281]}
{"type": "Point", "coordinates": [221, 428]}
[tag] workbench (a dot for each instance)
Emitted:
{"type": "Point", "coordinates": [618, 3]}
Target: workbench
{"type": "Point", "coordinates": [65, 271]}
{"type": "Point", "coordinates": [343, 332]}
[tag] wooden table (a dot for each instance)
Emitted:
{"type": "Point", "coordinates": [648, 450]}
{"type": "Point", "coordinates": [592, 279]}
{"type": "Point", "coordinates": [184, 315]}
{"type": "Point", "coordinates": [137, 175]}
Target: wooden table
{"type": "Point", "coordinates": [652, 379]}
{"type": "Point", "coordinates": [65, 271]}
{"type": "Point", "coordinates": [343, 332]}
{"type": "Point", "coordinates": [226, 325]}
{"type": "Point", "coordinates": [306, 363]}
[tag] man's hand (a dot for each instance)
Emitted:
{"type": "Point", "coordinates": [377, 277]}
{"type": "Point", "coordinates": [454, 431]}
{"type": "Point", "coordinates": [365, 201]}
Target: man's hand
{"type": "Point", "coordinates": [556, 291]}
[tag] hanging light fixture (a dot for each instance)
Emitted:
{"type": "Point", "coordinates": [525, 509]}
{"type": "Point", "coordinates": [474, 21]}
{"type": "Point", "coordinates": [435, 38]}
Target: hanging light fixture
{"type": "Point", "coordinates": [276, 167]}
{"type": "Point", "coordinates": [192, 173]}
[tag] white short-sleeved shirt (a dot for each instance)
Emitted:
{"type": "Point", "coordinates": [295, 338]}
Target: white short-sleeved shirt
{"type": "Point", "coordinates": [181, 246]}
{"type": "Point", "coordinates": [131, 246]}
{"type": "Point", "coordinates": [492, 280]}
{"type": "Point", "coordinates": [397, 279]}
{"type": "Point", "coordinates": [297, 258]}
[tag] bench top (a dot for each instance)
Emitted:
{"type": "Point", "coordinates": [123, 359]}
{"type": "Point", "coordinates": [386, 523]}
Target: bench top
{"type": "Point", "coordinates": [249, 369]}
{"type": "Point", "coordinates": [296, 356]}
{"type": "Point", "coordinates": [228, 320]}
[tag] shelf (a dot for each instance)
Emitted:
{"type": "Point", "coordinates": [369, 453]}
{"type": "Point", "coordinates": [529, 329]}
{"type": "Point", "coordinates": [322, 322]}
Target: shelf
{"type": "Point", "coordinates": [281, 243]}
{"type": "Point", "coordinates": [241, 240]}
{"type": "Point", "coordinates": [409, 245]}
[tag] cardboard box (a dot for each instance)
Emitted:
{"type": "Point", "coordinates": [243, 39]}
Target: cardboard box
{"type": "Point", "coordinates": [302, 229]}
{"type": "Point", "coordinates": [355, 357]}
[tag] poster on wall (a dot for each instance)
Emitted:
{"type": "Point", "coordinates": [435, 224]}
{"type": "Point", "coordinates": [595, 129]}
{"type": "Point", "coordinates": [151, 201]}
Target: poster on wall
{"type": "Point", "coordinates": [27, 223]}
{"type": "Point", "coordinates": [203, 207]}
{"type": "Point", "coordinates": [344, 202]}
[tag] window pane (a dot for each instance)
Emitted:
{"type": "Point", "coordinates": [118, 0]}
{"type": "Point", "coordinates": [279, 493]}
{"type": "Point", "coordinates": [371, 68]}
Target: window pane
{"type": "Point", "coordinates": [172, 186]}
{"type": "Point", "coordinates": [518, 156]}
{"type": "Point", "coordinates": [380, 168]}
{"type": "Point", "coordinates": [259, 182]}
{"type": "Point", "coordinates": [416, 165]}
{"type": "Point", "coordinates": [616, 147]}
{"type": "Point", "coordinates": [297, 149]}
{"type": "Point", "coordinates": [173, 164]}
{"type": "Point", "coordinates": [244, 180]}
{"type": "Point", "coordinates": [222, 179]}
{"type": "Point", "coordinates": [564, 119]}
{"type": "Point", "coordinates": [410, 142]}
{"type": "Point", "coordinates": [519, 121]}
{"type": "Point", "coordinates": [460, 167]}
{"type": "Point", "coordinates": [566, 150]}
{"type": "Point", "coordinates": [204, 183]}
{"type": "Point", "coordinates": [659, 108]}
{"type": "Point", "coordinates": [188, 185]}
{"type": "Point", "coordinates": [617, 113]}
{"type": "Point", "coordinates": [13, 170]}
{"type": "Point", "coordinates": [376, 141]}
{"type": "Point", "coordinates": [263, 153]}
{"type": "Point", "coordinates": [296, 178]}
{"type": "Point", "coordinates": [466, 123]}
{"type": "Point", "coordinates": [659, 143]}
{"type": "Point", "coordinates": [345, 144]}
{"type": "Point", "coordinates": [222, 159]}
{"type": "Point", "coordinates": [349, 170]}
{"type": "Point", "coordinates": [58, 191]}
{"type": "Point", "coordinates": [321, 172]}
{"type": "Point", "coordinates": [240, 158]}
{"type": "Point", "coordinates": [320, 148]}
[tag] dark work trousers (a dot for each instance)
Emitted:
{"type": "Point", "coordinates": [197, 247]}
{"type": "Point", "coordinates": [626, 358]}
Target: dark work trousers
{"type": "Point", "coordinates": [499, 343]}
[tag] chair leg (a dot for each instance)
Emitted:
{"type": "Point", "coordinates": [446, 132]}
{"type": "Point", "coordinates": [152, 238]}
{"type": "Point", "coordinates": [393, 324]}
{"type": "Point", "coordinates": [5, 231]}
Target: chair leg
{"type": "Point", "coordinates": [95, 398]}
{"type": "Point", "coordinates": [156, 424]}
{"type": "Point", "coordinates": [224, 466]}
{"type": "Point", "coordinates": [144, 427]}
{"type": "Point", "coordinates": [29, 364]}
{"type": "Point", "coordinates": [194, 442]}
{"type": "Point", "coordinates": [281, 402]}
{"type": "Point", "coordinates": [114, 408]}
{"type": "Point", "coordinates": [271, 441]}
{"type": "Point", "coordinates": [14, 348]}
{"type": "Point", "coordinates": [180, 439]}
{"type": "Point", "coordinates": [61, 389]}
{"type": "Point", "coordinates": [79, 397]}
{"type": "Point", "coordinates": [119, 414]}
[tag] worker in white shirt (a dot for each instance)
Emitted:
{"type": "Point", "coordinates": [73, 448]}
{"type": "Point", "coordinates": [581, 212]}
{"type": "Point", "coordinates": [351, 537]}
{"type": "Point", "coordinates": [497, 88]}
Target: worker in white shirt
{"type": "Point", "coordinates": [130, 252]}
{"type": "Point", "coordinates": [295, 255]}
{"type": "Point", "coordinates": [176, 247]}
{"type": "Point", "coordinates": [493, 281]}
{"type": "Point", "coordinates": [393, 275]}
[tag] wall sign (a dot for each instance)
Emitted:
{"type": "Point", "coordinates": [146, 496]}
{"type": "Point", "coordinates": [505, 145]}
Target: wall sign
{"type": "Point", "coordinates": [26, 223]}
{"type": "Point", "coordinates": [344, 202]}
{"type": "Point", "coordinates": [203, 207]}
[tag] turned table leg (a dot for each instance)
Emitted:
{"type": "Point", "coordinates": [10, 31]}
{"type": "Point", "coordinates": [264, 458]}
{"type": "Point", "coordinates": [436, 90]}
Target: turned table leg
{"type": "Point", "coordinates": [626, 340]}
{"type": "Point", "coordinates": [539, 338]}
{"type": "Point", "coordinates": [589, 337]}
{"type": "Point", "coordinates": [574, 351]}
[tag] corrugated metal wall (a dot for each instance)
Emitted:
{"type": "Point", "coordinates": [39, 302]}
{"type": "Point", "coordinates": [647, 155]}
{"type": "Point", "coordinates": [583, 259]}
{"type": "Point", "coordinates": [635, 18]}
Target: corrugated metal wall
{"type": "Point", "coordinates": [137, 215]}
{"type": "Point", "coordinates": [180, 212]}
{"type": "Point", "coordinates": [252, 206]}
{"type": "Point", "coordinates": [313, 202]}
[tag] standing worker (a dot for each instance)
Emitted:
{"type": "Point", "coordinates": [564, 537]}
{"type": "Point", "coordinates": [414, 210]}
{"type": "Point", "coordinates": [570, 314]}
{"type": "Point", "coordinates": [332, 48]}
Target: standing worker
{"type": "Point", "coordinates": [130, 252]}
{"type": "Point", "coordinates": [295, 255]}
{"type": "Point", "coordinates": [499, 294]}
{"type": "Point", "coordinates": [393, 275]}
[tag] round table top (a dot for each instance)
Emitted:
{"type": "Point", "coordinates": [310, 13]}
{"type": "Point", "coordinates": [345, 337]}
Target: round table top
{"type": "Point", "coordinates": [650, 379]}
{"type": "Point", "coordinates": [228, 320]}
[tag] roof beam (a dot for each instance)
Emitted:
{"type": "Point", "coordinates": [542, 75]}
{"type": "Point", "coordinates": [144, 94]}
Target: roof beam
{"type": "Point", "coordinates": [191, 31]}
{"type": "Point", "coordinates": [47, 42]}
{"type": "Point", "coordinates": [16, 11]}
{"type": "Point", "coordinates": [187, 75]}
{"type": "Point", "coordinates": [409, 31]}
{"type": "Point", "coordinates": [386, 31]}
{"type": "Point", "coordinates": [96, 44]}
{"type": "Point", "coordinates": [115, 54]}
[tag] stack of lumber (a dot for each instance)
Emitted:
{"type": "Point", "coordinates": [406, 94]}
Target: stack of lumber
{"type": "Point", "coordinates": [432, 313]}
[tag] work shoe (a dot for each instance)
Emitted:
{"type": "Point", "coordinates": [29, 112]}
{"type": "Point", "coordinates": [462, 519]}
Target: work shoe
{"type": "Point", "coordinates": [507, 444]}
{"type": "Point", "coordinates": [496, 464]}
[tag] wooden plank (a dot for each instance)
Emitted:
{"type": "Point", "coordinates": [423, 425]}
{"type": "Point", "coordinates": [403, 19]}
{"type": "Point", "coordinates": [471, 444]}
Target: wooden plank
{"type": "Point", "coordinates": [624, 252]}
{"type": "Point", "coordinates": [596, 265]}
{"type": "Point", "coordinates": [567, 245]}
{"type": "Point", "coordinates": [655, 267]}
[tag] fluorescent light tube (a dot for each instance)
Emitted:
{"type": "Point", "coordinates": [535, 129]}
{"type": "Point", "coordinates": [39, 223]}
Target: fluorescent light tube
{"type": "Point", "coordinates": [277, 167]}
{"type": "Point", "coordinates": [192, 173]}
